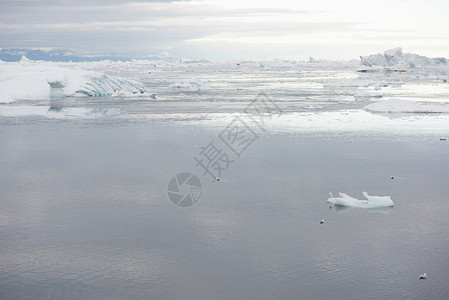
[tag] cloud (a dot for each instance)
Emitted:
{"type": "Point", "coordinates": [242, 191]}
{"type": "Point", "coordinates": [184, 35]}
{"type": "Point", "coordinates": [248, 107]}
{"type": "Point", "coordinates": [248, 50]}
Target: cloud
{"type": "Point", "coordinates": [119, 25]}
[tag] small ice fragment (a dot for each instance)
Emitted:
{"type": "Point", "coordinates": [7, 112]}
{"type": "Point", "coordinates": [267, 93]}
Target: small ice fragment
{"type": "Point", "coordinates": [322, 221]}
{"type": "Point", "coordinates": [423, 276]}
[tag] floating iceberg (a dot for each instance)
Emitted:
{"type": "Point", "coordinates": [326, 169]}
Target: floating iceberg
{"type": "Point", "coordinates": [405, 106]}
{"type": "Point", "coordinates": [35, 80]}
{"type": "Point", "coordinates": [396, 60]}
{"type": "Point", "coordinates": [371, 202]}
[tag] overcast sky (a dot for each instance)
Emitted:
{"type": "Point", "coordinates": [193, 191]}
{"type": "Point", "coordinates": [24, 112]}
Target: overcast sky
{"type": "Point", "coordinates": [229, 29]}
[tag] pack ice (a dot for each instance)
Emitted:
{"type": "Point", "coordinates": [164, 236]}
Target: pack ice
{"type": "Point", "coordinates": [370, 202]}
{"type": "Point", "coordinates": [34, 80]}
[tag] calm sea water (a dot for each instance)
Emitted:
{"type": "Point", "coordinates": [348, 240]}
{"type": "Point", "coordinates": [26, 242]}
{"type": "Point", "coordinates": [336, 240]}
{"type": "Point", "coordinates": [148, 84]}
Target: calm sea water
{"type": "Point", "coordinates": [84, 214]}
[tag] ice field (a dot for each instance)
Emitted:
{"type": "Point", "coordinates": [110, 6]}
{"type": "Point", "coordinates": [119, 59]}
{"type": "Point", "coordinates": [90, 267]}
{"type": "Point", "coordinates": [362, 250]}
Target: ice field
{"type": "Point", "coordinates": [392, 92]}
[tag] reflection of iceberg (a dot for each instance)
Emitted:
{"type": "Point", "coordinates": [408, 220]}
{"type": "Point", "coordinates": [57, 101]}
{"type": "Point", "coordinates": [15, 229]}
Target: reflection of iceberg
{"type": "Point", "coordinates": [54, 112]}
{"type": "Point", "coordinates": [371, 202]}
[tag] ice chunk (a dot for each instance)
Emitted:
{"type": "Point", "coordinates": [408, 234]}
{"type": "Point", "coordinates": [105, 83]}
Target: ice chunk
{"type": "Point", "coordinates": [371, 202]}
{"type": "Point", "coordinates": [6, 99]}
{"type": "Point", "coordinates": [405, 106]}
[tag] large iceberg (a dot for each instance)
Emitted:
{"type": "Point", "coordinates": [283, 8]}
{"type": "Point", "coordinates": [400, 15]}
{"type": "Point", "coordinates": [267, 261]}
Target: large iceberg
{"type": "Point", "coordinates": [36, 80]}
{"type": "Point", "coordinates": [396, 60]}
{"type": "Point", "coordinates": [370, 202]}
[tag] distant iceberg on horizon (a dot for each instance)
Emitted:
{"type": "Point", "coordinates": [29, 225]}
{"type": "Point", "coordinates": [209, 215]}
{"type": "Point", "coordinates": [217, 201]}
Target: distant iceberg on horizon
{"type": "Point", "coordinates": [396, 60]}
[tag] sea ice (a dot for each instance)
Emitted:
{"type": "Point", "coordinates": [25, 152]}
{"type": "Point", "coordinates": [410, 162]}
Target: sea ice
{"type": "Point", "coordinates": [405, 106]}
{"type": "Point", "coordinates": [371, 202]}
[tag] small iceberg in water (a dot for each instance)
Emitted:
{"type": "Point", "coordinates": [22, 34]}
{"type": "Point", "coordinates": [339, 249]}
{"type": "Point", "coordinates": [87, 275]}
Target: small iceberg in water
{"type": "Point", "coordinates": [370, 202]}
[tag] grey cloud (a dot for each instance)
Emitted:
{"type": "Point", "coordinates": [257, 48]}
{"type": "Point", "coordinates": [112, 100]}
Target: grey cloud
{"type": "Point", "coordinates": [47, 13]}
{"type": "Point", "coordinates": [100, 41]}
{"type": "Point", "coordinates": [64, 3]}
{"type": "Point", "coordinates": [43, 24]}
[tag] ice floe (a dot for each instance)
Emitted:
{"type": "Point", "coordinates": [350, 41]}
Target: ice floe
{"type": "Point", "coordinates": [370, 202]}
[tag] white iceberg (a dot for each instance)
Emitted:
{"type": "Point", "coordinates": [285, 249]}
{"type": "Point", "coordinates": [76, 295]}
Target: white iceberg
{"type": "Point", "coordinates": [35, 80]}
{"type": "Point", "coordinates": [405, 106]}
{"type": "Point", "coordinates": [396, 60]}
{"type": "Point", "coordinates": [371, 202]}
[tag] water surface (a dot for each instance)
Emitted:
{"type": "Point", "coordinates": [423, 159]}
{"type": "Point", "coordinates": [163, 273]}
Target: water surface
{"type": "Point", "coordinates": [84, 214]}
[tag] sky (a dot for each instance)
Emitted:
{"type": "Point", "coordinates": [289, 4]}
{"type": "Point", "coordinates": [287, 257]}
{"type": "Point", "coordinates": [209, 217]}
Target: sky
{"type": "Point", "coordinates": [228, 29]}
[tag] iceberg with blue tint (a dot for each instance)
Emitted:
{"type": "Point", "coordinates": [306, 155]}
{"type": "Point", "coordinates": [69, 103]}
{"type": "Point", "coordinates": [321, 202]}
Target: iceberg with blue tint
{"type": "Point", "coordinates": [370, 202]}
{"type": "Point", "coordinates": [36, 80]}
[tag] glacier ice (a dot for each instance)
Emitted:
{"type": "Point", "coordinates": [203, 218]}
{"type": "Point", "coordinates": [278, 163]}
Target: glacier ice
{"type": "Point", "coordinates": [370, 202]}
